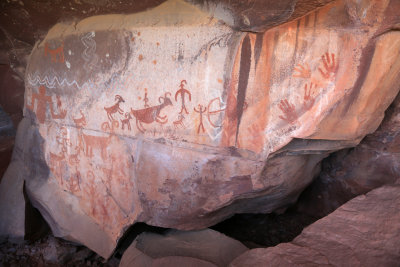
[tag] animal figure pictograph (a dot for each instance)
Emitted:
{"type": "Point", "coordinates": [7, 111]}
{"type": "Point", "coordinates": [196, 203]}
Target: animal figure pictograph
{"type": "Point", "coordinates": [126, 121]}
{"type": "Point", "coordinates": [152, 114]}
{"type": "Point", "coordinates": [99, 142]}
{"type": "Point", "coordinates": [179, 123]}
{"type": "Point", "coordinates": [182, 91]}
{"type": "Point", "coordinates": [56, 160]}
{"type": "Point", "coordinates": [80, 122]}
{"type": "Point", "coordinates": [87, 142]}
{"type": "Point", "coordinates": [114, 108]}
{"type": "Point", "coordinates": [201, 110]}
{"type": "Point", "coordinates": [54, 53]}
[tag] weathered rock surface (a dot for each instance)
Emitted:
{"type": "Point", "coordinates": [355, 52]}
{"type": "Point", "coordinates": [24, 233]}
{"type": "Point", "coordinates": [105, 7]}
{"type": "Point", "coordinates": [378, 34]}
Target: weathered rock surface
{"type": "Point", "coordinates": [363, 232]}
{"type": "Point", "coordinates": [12, 201]}
{"type": "Point", "coordinates": [172, 118]}
{"type": "Point", "coordinates": [192, 248]}
{"type": "Point", "coordinates": [207, 245]}
{"type": "Point", "coordinates": [258, 15]}
{"type": "Point", "coordinates": [134, 257]}
{"type": "Point", "coordinates": [348, 173]}
{"type": "Point", "coordinates": [26, 20]}
{"type": "Point", "coordinates": [50, 251]}
{"type": "Point", "coordinates": [11, 105]}
{"type": "Point", "coordinates": [180, 261]}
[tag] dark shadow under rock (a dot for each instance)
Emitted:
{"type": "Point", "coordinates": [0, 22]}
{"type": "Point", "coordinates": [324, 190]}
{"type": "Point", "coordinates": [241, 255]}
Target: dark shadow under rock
{"type": "Point", "coordinates": [265, 230]}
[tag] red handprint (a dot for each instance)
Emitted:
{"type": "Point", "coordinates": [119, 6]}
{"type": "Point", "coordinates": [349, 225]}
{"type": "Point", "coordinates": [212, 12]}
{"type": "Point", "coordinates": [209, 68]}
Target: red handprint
{"type": "Point", "coordinates": [309, 97]}
{"type": "Point", "coordinates": [303, 70]}
{"type": "Point", "coordinates": [329, 65]}
{"type": "Point", "coordinates": [288, 110]}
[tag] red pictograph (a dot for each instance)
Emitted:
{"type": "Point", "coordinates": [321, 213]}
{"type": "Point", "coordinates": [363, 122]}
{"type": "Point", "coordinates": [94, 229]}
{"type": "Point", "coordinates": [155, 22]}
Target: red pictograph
{"type": "Point", "coordinates": [146, 99]}
{"type": "Point", "coordinates": [41, 100]}
{"type": "Point", "coordinates": [329, 67]}
{"type": "Point", "coordinates": [304, 71]}
{"type": "Point", "coordinates": [182, 91]}
{"type": "Point", "coordinates": [126, 121]}
{"type": "Point", "coordinates": [114, 108]}
{"type": "Point", "coordinates": [288, 110]}
{"type": "Point", "coordinates": [54, 53]}
{"type": "Point", "coordinates": [179, 122]}
{"type": "Point", "coordinates": [201, 110]}
{"type": "Point", "coordinates": [309, 97]}
{"type": "Point", "coordinates": [217, 110]}
{"type": "Point", "coordinates": [80, 122]}
{"type": "Point", "coordinates": [152, 114]}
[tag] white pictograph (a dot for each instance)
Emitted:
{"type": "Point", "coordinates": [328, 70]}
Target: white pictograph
{"type": "Point", "coordinates": [89, 54]}
{"type": "Point", "coordinates": [52, 79]}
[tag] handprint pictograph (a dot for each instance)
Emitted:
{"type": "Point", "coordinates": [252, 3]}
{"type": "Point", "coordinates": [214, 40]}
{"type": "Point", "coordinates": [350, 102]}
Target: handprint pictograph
{"type": "Point", "coordinates": [304, 71]}
{"type": "Point", "coordinates": [288, 110]}
{"type": "Point", "coordinates": [309, 97]}
{"type": "Point", "coordinates": [330, 66]}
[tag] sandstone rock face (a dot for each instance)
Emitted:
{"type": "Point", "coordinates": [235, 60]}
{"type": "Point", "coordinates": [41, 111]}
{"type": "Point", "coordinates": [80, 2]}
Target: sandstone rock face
{"type": "Point", "coordinates": [172, 118]}
{"type": "Point", "coordinates": [134, 257]}
{"type": "Point", "coordinates": [11, 105]}
{"type": "Point", "coordinates": [207, 246]}
{"type": "Point", "coordinates": [348, 173]}
{"type": "Point", "coordinates": [363, 232]}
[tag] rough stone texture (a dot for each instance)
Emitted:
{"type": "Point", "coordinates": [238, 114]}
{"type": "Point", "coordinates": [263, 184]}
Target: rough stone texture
{"type": "Point", "coordinates": [11, 104]}
{"type": "Point", "coordinates": [172, 118]}
{"type": "Point", "coordinates": [348, 173]}
{"type": "Point", "coordinates": [134, 257]}
{"type": "Point", "coordinates": [207, 245]}
{"type": "Point", "coordinates": [180, 261]}
{"type": "Point", "coordinates": [178, 248]}
{"type": "Point", "coordinates": [12, 201]}
{"type": "Point", "coordinates": [52, 252]}
{"type": "Point", "coordinates": [12, 204]}
{"type": "Point", "coordinates": [258, 15]}
{"type": "Point", "coordinates": [27, 20]}
{"type": "Point", "coordinates": [24, 22]}
{"type": "Point", "coordinates": [363, 232]}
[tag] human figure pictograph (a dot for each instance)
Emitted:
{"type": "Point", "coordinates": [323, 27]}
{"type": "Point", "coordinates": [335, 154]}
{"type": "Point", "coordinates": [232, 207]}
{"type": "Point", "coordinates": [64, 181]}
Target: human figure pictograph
{"type": "Point", "coordinates": [41, 100]}
{"type": "Point", "coordinates": [200, 111]}
{"type": "Point", "coordinates": [182, 91]}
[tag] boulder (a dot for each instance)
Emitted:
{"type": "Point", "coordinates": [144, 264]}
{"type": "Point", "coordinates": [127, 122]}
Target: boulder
{"type": "Point", "coordinates": [180, 261]}
{"type": "Point", "coordinates": [207, 245]}
{"type": "Point", "coordinates": [363, 232]}
{"type": "Point", "coordinates": [12, 200]}
{"type": "Point", "coordinates": [11, 105]}
{"type": "Point", "coordinates": [134, 257]}
{"type": "Point", "coordinates": [173, 118]}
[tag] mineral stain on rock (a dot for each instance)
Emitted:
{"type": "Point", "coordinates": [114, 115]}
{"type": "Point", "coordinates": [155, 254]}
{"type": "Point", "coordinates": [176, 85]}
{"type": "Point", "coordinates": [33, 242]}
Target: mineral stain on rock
{"type": "Point", "coordinates": [187, 133]}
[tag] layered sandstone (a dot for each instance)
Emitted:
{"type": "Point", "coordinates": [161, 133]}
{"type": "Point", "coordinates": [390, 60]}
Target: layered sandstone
{"type": "Point", "coordinates": [173, 118]}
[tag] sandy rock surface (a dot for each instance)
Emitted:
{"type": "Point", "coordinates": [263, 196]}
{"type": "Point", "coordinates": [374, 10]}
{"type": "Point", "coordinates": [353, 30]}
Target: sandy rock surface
{"type": "Point", "coordinates": [173, 118]}
{"type": "Point", "coordinates": [363, 232]}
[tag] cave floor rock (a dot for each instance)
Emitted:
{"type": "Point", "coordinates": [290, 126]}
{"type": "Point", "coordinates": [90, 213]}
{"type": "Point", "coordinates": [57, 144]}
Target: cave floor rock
{"type": "Point", "coordinates": [363, 232]}
{"type": "Point", "coordinates": [50, 252]}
